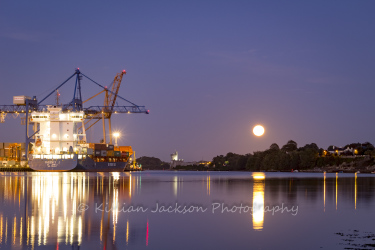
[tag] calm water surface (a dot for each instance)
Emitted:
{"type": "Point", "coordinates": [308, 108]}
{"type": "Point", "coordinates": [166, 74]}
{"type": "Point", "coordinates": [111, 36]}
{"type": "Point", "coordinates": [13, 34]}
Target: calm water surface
{"type": "Point", "coordinates": [186, 210]}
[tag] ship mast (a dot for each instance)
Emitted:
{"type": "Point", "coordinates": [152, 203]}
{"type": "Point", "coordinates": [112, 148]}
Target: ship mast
{"type": "Point", "coordinates": [57, 97]}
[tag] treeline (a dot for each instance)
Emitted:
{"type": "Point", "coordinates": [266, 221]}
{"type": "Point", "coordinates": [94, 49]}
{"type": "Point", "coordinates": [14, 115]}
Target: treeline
{"type": "Point", "coordinates": [152, 163]}
{"type": "Point", "coordinates": [286, 158]}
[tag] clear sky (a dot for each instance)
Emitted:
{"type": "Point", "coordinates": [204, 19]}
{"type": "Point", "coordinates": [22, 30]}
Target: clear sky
{"type": "Point", "coordinates": [207, 70]}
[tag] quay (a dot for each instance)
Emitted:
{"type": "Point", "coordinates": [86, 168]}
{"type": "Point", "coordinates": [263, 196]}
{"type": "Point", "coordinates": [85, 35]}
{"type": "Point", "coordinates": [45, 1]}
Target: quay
{"type": "Point", "coordinates": [15, 169]}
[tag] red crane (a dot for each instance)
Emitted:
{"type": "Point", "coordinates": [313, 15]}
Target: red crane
{"type": "Point", "coordinates": [108, 108]}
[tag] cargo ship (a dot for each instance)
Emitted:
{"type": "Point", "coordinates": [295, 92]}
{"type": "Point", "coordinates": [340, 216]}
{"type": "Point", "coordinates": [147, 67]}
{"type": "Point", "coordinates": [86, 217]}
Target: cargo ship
{"type": "Point", "coordinates": [60, 145]}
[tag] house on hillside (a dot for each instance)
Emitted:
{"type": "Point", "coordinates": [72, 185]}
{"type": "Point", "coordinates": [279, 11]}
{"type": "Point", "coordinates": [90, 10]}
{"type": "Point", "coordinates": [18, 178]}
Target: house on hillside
{"type": "Point", "coordinates": [340, 151]}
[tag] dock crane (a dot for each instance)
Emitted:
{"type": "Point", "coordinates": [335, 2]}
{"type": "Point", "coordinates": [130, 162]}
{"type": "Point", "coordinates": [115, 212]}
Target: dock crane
{"type": "Point", "coordinates": [109, 103]}
{"type": "Point", "coordinates": [32, 104]}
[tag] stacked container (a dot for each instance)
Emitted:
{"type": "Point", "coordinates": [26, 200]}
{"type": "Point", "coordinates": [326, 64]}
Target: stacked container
{"type": "Point", "coordinates": [12, 150]}
{"type": "Point", "coordinates": [109, 150]}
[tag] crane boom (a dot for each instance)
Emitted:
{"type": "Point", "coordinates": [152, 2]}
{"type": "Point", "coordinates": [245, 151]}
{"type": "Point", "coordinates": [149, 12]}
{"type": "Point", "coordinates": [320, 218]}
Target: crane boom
{"type": "Point", "coordinates": [110, 99]}
{"type": "Point", "coordinates": [89, 112]}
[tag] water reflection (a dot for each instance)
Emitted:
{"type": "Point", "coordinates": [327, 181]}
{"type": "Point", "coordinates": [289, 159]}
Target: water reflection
{"type": "Point", "coordinates": [49, 193]}
{"type": "Point", "coordinates": [258, 200]}
{"type": "Point", "coordinates": [54, 205]}
{"type": "Point", "coordinates": [58, 209]}
{"type": "Point", "coordinates": [208, 185]}
{"type": "Point", "coordinates": [177, 185]}
{"type": "Point", "coordinates": [355, 191]}
{"type": "Point", "coordinates": [324, 188]}
{"type": "Point", "coordinates": [337, 176]}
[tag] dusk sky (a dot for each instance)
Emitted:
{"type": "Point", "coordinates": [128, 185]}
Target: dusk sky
{"type": "Point", "coordinates": [208, 71]}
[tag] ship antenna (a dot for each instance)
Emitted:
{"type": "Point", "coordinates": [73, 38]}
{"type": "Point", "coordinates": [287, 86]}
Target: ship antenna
{"type": "Point", "coordinates": [57, 97]}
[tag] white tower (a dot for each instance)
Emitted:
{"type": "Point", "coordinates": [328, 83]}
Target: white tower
{"type": "Point", "coordinates": [174, 156]}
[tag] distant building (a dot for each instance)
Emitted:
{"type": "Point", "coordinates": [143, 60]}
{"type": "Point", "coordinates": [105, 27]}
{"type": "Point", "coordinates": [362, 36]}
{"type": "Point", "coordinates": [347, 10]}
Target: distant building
{"type": "Point", "coordinates": [180, 162]}
{"type": "Point", "coordinates": [174, 156]}
{"type": "Point", "coordinates": [340, 151]}
{"type": "Point", "coordinates": [175, 161]}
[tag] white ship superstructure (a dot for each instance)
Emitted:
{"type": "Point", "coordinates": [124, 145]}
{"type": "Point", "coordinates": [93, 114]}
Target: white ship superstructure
{"type": "Point", "coordinates": [57, 133]}
{"type": "Point", "coordinates": [57, 145]}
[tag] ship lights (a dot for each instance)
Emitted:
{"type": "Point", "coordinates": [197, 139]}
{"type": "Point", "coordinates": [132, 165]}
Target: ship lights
{"type": "Point", "coordinates": [116, 135]}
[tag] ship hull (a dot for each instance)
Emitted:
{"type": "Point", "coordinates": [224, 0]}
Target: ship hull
{"type": "Point", "coordinates": [52, 165]}
{"type": "Point", "coordinates": [85, 165]}
{"type": "Point", "coordinates": [88, 165]}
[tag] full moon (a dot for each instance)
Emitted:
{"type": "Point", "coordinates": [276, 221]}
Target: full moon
{"type": "Point", "coordinates": [258, 130]}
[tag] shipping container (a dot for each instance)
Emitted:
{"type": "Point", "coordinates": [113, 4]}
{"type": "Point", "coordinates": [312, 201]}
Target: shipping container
{"type": "Point", "coordinates": [124, 154]}
{"type": "Point", "coordinates": [117, 153]}
{"type": "Point", "coordinates": [110, 153]}
{"type": "Point", "coordinates": [100, 146]}
{"type": "Point", "coordinates": [2, 153]}
{"type": "Point", "coordinates": [124, 149]}
{"type": "Point", "coordinates": [97, 146]}
{"type": "Point", "coordinates": [110, 147]}
{"type": "Point", "coordinates": [20, 100]}
{"type": "Point", "coordinates": [1, 145]}
{"type": "Point", "coordinates": [104, 153]}
{"type": "Point", "coordinates": [90, 151]}
{"type": "Point", "coordinates": [98, 152]}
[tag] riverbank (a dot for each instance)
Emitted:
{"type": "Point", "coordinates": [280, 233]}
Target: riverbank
{"type": "Point", "coordinates": [16, 169]}
{"type": "Point", "coordinates": [362, 165]}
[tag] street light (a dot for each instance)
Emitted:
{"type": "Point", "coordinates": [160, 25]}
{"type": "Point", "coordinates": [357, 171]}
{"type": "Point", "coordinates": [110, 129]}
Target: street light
{"type": "Point", "coordinates": [116, 135]}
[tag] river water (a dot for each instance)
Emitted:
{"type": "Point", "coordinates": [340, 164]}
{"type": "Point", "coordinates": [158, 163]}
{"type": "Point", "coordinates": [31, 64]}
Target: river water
{"type": "Point", "coordinates": [187, 210]}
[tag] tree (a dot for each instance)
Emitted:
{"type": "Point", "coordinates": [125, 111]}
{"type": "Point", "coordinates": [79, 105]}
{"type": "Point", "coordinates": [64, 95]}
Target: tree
{"type": "Point", "coordinates": [254, 162]}
{"type": "Point", "coordinates": [274, 146]}
{"type": "Point", "coordinates": [152, 163]}
{"type": "Point", "coordinates": [294, 160]}
{"type": "Point", "coordinates": [241, 162]}
{"type": "Point", "coordinates": [308, 157]}
{"type": "Point", "coordinates": [289, 146]}
{"type": "Point", "coordinates": [310, 146]}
